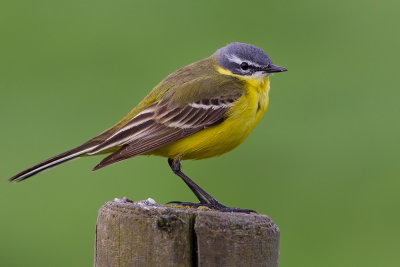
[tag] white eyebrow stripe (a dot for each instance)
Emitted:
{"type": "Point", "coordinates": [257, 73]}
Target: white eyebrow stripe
{"type": "Point", "coordinates": [237, 60]}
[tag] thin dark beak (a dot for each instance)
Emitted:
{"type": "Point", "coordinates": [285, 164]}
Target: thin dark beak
{"type": "Point", "coordinates": [273, 68]}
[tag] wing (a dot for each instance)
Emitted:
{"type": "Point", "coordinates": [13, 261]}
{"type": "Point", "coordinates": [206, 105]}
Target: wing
{"type": "Point", "coordinates": [152, 123]}
{"type": "Point", "coordinates": [160, 124]}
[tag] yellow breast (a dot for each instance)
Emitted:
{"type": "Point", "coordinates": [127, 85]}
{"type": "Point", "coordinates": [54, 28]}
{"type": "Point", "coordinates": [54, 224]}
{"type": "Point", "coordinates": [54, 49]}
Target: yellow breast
{"type": "Point", "coordinates": [219, 139]}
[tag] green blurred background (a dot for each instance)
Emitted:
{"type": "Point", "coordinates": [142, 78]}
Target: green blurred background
{"type": "Point", "coordinates": [323, 163]}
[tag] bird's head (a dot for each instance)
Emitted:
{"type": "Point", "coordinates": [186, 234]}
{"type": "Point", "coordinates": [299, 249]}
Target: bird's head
{"type": "Point", "coordinates": [247, 60]}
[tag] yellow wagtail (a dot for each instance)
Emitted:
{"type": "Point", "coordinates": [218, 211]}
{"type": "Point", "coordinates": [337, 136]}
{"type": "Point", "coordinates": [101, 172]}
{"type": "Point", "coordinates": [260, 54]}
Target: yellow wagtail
{"type": "Point", "coordinates": [202, 110]}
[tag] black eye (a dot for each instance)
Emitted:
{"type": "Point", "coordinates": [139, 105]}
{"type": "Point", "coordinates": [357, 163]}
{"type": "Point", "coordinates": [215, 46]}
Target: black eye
{"type": "Point", "coordinates": [244, 66]}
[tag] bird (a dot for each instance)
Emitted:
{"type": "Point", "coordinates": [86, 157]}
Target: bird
{"type": "Point", "coordinates": [202, 110]}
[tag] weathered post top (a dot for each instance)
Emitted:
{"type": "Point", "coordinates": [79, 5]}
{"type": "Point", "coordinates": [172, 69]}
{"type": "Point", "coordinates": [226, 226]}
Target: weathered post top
{"type": "Point", "coordinates": [146, 234]}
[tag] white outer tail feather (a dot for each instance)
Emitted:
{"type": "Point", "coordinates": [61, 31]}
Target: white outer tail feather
{"type": "Point", "coordinates": [50, 164]}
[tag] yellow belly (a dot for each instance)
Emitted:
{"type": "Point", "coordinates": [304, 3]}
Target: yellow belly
{"type": "Point", "coordinates": [219, 139]}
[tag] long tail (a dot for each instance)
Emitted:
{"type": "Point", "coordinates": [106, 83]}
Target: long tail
{"type": "Point", "coordinates": [52, 162]}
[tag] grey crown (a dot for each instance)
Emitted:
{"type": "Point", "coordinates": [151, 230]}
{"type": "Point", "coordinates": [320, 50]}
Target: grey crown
{"type": "Point", "coordinates": [255, 57]}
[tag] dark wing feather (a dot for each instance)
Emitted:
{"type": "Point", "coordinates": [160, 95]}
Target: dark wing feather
{"type": "Point", "coordinates": [162, 126]}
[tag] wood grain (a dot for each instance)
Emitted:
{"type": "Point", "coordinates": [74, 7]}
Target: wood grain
{"type": "Point", "coordinates": [145, 234]}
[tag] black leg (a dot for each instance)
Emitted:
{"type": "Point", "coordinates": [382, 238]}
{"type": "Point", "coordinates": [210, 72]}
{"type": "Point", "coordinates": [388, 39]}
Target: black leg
{"type": "Point", "coordinates": [176, 168]}
{"type": "Point", "coordinates": [205, 199]}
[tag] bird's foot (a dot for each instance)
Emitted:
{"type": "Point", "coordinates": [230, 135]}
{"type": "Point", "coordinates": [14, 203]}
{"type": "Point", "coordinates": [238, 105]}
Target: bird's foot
{"type": "Point", "coordinates": [218, 206]}
{"type": "Point", "coordinates": [189, 204]}
{"type": "Point", "coordinates": [213, 206]}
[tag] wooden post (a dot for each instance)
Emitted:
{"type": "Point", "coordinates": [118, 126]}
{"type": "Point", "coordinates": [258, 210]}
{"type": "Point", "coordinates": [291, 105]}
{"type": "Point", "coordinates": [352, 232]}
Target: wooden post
{"type": "Point", "coordinates": [147, 234]}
